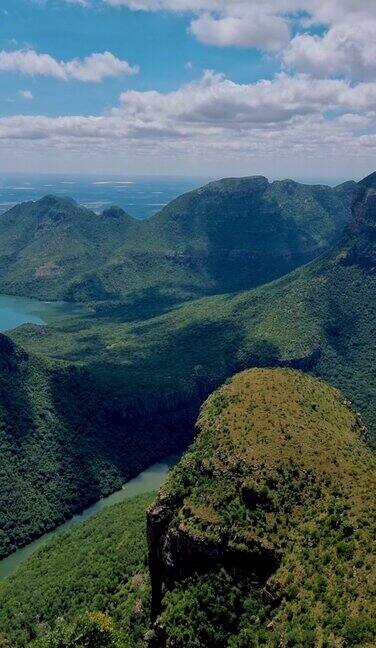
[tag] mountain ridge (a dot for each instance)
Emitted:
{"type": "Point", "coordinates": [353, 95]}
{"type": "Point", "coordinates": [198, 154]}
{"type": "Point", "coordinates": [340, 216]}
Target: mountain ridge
{"type": "Point", "coordinates": [229, 235]}
{"type": "Point", "coordinates": [319, 318]}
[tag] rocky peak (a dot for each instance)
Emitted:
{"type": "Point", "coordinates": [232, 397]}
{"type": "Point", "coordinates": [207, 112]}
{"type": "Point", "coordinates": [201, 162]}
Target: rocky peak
{"type": "Point", "coordinates": [364, 207]}
{"type": "Point", "coordinates": [54, 208]}
{"type": "Point", "coordinates": [359, 242]}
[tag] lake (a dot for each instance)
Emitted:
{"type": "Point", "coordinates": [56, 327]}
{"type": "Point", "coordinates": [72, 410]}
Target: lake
{"type": "Point", "coordinates": [149, 480]}
{"type": "Point", "coordinates": [15, 311]}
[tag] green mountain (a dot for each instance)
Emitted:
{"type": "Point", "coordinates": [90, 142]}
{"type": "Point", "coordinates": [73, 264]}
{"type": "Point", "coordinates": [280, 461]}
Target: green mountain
{"type": "Point", "coordinates": [229, 235]}
{"type": "Point", "coordinates": [262, 536]}
{"type": "Point", "coordinates": [320, 318]}
{"type": "Point", "coordinates": [142, 382]}
{"type": "Point", "coordinates": [46, 245]}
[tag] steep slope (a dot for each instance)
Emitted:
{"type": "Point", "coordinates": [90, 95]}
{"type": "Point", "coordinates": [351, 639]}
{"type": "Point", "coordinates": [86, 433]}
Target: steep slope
{"type": "Point", "coordinates": [247, 231]}
{"type": "Point", "coordinates": [62, 444]}
{"type": "Point", "coordinates": [45, 245]}
{"type": "Point", "coordinates": [99, 566]}
{"type": "Point", "coordinates": [263, 534]}
{"type": "Point", "coordinates": [230, 235]}
{"type": "Point", "coordinates": [321, 318]}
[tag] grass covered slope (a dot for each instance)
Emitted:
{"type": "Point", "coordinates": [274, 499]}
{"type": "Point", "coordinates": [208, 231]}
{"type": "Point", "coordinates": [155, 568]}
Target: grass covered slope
{"type": "Point", "coordinates": [263, 535]}
{"type": "Point", "coordinates": [98, 566]}
{"type": "Point", "coordinates": [229, 235]}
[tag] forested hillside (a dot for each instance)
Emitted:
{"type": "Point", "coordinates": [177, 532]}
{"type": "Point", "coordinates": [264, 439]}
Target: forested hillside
{"type": "Point", "coordinates": [229, 235]}
{"type": "Point", "coordinates": [103, 584]}
{"type": "Point", "coordinates": [262, 536]}
{"type": "Point", "coordinates": [63, 444]}
{"type": "Point", "coordinates": [320, 318]}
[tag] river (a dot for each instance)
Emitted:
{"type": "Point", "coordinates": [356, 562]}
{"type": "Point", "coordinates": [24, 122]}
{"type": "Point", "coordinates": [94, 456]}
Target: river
{"type": "Point", "coordinates": [149, 480]}
{"type": "Point", "coordinates": [15, 311]}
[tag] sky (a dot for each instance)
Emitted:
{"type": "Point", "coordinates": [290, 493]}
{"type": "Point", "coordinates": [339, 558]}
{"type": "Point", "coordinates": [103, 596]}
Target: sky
{"type": "Point", "coordinates": [283, 88]}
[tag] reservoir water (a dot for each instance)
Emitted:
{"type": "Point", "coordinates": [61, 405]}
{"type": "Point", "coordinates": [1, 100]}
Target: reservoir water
{"type": "Point", "coordinates": [15, 311]}
{"type": "Point", "coordinates": [149, 480]}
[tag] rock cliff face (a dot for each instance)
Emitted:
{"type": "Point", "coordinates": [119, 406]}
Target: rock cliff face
{"type": "Point", "coordinates": [272, 486]}
{"type": "Point", "coordinates": [360, 240]}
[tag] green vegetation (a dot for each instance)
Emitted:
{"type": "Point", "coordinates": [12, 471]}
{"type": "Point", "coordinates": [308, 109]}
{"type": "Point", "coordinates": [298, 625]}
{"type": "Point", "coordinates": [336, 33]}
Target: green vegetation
{"type": "Point", "coordinates": [86, 588]}
{"type": "Point", "coordinates": [64, 443]}
{"type": "Point", "coordinates": [268, 522]}
{"type": "Point", "coordinates": [72, 433]}
{"type": "Point", "coordinates": [230, 235]}
{"type": "Point", "coordinates": [262, 536]}
{"type": "Point", "coordinates": [320, 318]}
{"type": "Point", "coordinates": [97, 397]}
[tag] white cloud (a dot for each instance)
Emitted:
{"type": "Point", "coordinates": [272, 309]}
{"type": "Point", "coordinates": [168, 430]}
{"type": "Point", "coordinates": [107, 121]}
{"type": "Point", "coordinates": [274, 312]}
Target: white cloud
{"type": "Point", "coordinates": [323, 109]}
{"type": "Point", "coordinates": [254, 29]}
{"type": "Point", "coordinates": [25, 94]}
{"type": "Point", "coordinates": [267, 26]}
{"type": "Point", "coordinates": [348, 48]}
{"type": "Point", "coordinates": [218, 101]}
{"type": "Point", "coordinates": [93, 68]}
{"type": "Point", "coordinates": [215, 113]}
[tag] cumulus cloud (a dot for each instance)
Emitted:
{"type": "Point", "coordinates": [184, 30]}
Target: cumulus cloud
{"type": "Point", "coordinates": [322, 106]}
{"type": "Point", "coordinates": [217, 101]}
{"type": "Point", "coordinates": [267, 25]}
{"type": "Point", "coordinates": [348, 48]}
{"type": "Point", "coordinates": [93, 68]}
{"type": "Point", "coordinates": [255, 29]}
{"type": "Point", "coordinates": [215, 112]}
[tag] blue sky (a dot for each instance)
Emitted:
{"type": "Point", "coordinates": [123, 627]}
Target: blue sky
{"type": "Point", "coordinates": [158, 42]}
{"type": "Point", "coordinates": [188, 86]}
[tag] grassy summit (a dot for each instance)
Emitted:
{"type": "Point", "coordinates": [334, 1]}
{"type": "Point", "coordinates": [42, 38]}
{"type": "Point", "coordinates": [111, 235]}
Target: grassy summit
{"type": "Point", "coordinates": [263, 535]}
{"type": "Point", "coordinates": [229, 235]}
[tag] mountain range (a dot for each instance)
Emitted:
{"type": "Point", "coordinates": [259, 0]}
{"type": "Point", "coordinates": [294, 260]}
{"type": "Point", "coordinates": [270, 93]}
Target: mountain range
{"type": "Point", "coordinates": [88, 401]}
{"type": "Point", "coordinates": [233, 234]}
{"type": "Point", "coordinates": [319, 317]}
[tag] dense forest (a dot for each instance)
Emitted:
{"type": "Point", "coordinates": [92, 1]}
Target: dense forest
{"type": "Point", "coordinates": [97, 568]}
